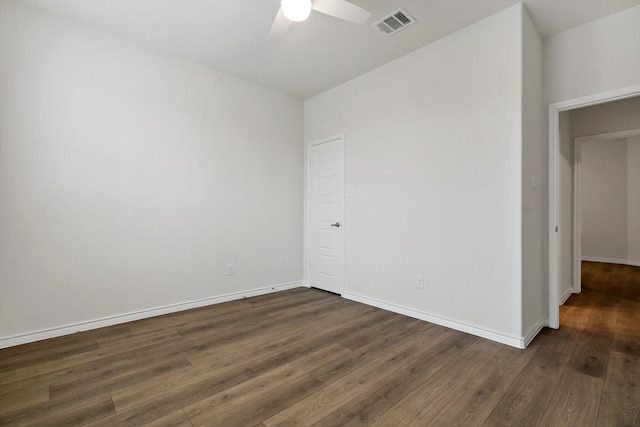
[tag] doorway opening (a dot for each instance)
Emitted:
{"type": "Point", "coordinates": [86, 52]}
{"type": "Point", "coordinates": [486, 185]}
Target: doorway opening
{"type": "Point", "coordinates": [606, 207]}
{"type": "Point", "coordinates": [561, 266]}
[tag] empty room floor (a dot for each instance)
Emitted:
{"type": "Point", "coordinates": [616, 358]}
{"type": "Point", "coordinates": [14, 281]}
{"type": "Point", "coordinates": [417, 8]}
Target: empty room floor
{"type": "Point", "coordinates": [306, 357]}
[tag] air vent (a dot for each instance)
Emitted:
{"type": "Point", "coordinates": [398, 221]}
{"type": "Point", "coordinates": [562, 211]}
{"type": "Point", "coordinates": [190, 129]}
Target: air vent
{"type": "Point", "coordinates": [394, 22]}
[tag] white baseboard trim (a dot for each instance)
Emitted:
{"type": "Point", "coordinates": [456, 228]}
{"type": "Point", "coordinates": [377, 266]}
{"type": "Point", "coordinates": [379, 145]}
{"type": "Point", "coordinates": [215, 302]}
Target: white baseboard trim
{"type": "Point", "coordinates": [518, 342]}
{"type": "Point", "coordinates": [565, 296]}
{"type": "Point", "coordinates": [534, 331]}
{"type": "Point", "coordinates": [137, 315]}
{"type": "Point", "coordinates": [630, 262]}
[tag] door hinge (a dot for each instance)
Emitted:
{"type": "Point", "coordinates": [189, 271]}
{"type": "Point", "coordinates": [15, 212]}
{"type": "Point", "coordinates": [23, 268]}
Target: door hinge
{"type": "Point", "coordinates": [556, 228]}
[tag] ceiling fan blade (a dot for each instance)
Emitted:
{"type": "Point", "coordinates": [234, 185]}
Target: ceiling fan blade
{"type": "Point", "coordinates": [342, 9]}
{"type": "Point", "coordinates": [279, 27]}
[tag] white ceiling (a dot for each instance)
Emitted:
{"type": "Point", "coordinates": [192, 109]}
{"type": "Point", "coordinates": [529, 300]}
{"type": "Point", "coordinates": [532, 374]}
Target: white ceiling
{"type": "Point", "coordinates": [315, 55]}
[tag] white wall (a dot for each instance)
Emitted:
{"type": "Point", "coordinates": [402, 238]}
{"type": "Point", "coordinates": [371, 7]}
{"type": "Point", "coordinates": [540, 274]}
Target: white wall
{"type": "Point", "coordinates": [610, 200]}
{"type": "Point", "coordinates": [532, 196]}
{"type": "Point", "coordinates": [433, 152]}
{"type": "Point", "coordinates": [633, 199]}
{"type": "Point", "coordinates": [597, 57]}
{"type": "Point", "coordinates": [129, 179]}
{"type": "Point", "coordinates": [603, 199]}
{"type": "Point", "coordinates": [606, 118]}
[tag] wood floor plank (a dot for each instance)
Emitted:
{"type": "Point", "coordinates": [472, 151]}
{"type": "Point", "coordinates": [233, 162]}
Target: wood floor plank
{"type": "Point", "coordinates": [620, 404]}
{"type": "Point", "coordinates": [292, 294]}
{"type": "Point", "coordinates": [83, 414]}
{"type": "Point", "coordinates": [627, 343]}
{"type": "Point", "coordinates": [252, 351]}
{"type": "Point", "coordinates": [185, 383]}
{"type": "Point", "coordinates": [155, 407]}
{"type": "Point", "coordinates": [367, 407]}
{"type": "Point", "coordinates": [355, 381]}
{"type": "Point", "coordinates": [256, 326]}
{"type": "Point", "coordinates": [176, 418]}
{"type": "Point", "coordinates": [252, 413]}
{"type": "Point", "coordinates": [77, 410]}
{"type": "Point", "coordinates": [135, 340]}
{"type": "Point", "coordinates": [226, 405]}
{"type": "Point", "coordinates": [48, 347]}
{"type": "Point", "coordinates": [103, 375]}
{"type": "Point", "coordinates": [575, 401]}
{"type": "Point", "coordinates": [280, 334]}
{"type": "Point", "coordinates": [604, 318]}
{"type": "Point", "coordinates": [420, 406]}
{"type": "Point", "coordinates": [525, 402]}
{"type": "Point", "coordinates": [473, 404]}
{"type": "Point", "coordinates": [389, 327]}
{"type": "Point", "coordinates": [185, 318]}
{"type": "Point", "coordinates": [78, 367]}
{"type": "Point", "coordinates": [22, 359]}
{"type": "Point", "coordinates": [592, 353]}
{"type": "Point", "coordinates": [307, 357]}
{"type": "Point", "coordinates": [311, 344]}
{"type": "Point", "coordinates": [111, 383]}
{"type": "Point", "coordinates": [628, 317]}
{"type": "Point", "coordinates": [575, 311]}
{"type": "Point", "coordinates": [239, 320]}
{"type": "Point", "coordinates": [219, 314]}
{"type": "Point", "coordinates": [17, 398]}
{"type": "Point", "coordinates": [302, 309]}
{"type": "Point", "coordinates": [377, 347]}
{"type": "Point", "coordinates": [565, 339]}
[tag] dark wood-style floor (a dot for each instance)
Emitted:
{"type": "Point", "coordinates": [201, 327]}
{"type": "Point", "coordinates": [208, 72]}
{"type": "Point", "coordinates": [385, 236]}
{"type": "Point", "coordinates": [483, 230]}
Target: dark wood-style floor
{"type": "Point", "coordinates": [306, 357]}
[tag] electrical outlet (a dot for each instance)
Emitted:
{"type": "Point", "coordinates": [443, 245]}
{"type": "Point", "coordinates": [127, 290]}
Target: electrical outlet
{"type": "Point", "coordinates": [230, 270]}
{"type": "Point", "coordinates": [419, 281]}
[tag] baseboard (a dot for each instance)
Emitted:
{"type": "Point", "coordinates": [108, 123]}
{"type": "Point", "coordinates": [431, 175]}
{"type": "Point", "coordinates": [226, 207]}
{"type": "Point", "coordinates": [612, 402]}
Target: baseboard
{"type": "Point", "coordinates": [630, 262]}
{"type": "Point", "coordinates": [565, 296]}
{"type": "Point", "coordinates": [518, 342]}
{"type": "Point", "coordinates": [534, 331]}
{"type": "Point", "coordinates": [137, 315]}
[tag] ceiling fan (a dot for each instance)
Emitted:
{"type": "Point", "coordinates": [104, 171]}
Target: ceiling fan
{"type": "Point", "coordinates": [299, 10]}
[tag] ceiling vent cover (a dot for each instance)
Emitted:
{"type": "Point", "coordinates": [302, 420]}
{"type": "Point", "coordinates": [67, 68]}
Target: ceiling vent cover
{"type": "Point", "coordinates": [394, 22]}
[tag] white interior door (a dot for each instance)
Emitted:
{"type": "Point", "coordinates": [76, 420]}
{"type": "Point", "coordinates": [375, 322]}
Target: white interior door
{"type": "Point", "coordinates": [326, 228]}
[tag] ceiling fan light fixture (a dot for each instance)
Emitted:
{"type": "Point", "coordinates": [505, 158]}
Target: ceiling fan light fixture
{"type": "Point", "coordinates": [296, 10]}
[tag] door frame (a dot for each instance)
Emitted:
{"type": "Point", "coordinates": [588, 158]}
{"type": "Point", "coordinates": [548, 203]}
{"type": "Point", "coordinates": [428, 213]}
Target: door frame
{"type": "Point", "coordinates": [307, 210]}
{"type": "Point", "coordinates": [577, 216]}
{"type": "Point", "coordinates": [553, 318]}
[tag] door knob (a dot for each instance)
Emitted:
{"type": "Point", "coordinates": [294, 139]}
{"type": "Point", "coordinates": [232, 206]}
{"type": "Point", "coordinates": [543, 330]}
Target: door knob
{"type": "Point", "coordinates": [337, 225]}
